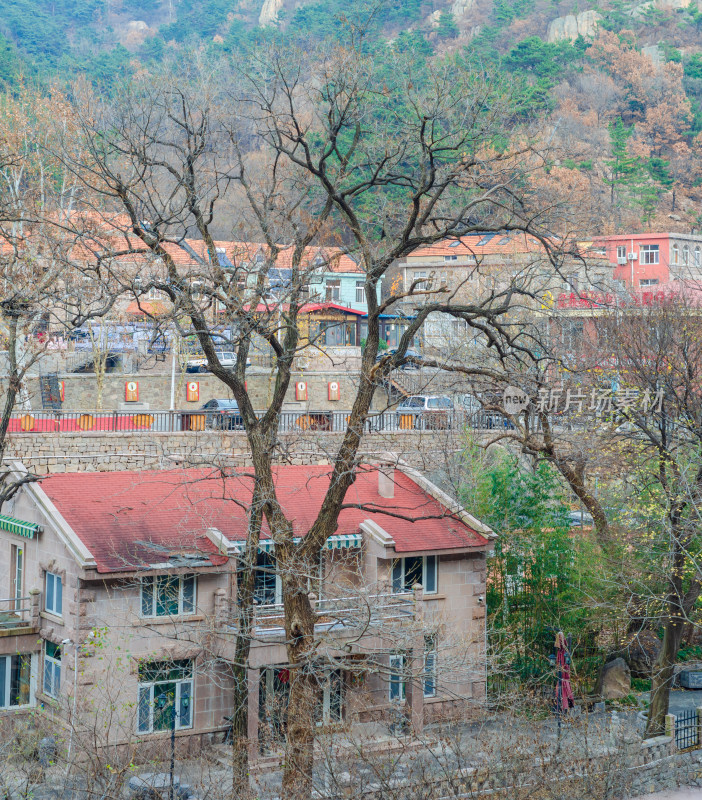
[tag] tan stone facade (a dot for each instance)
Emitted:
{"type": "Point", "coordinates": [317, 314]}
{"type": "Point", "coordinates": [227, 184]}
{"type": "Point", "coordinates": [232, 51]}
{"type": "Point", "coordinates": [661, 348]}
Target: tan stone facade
{"type": "Point", "coordinates": [376, 622]}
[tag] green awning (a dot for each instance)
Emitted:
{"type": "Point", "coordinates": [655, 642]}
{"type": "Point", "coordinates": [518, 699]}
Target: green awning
{"type": "Point", "coordinates": [19, 526]}
{"type": "Point", "coordinates": [333, 543]}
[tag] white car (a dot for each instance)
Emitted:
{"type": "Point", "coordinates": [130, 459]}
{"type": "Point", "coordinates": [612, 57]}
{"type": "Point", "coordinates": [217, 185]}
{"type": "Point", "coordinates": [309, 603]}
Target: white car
{"type": "Point", "coordinates": [227, 358]}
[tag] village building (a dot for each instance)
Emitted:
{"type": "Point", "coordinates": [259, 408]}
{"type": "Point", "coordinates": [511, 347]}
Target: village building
{"type": "Point", "coordinates": [121, 602]}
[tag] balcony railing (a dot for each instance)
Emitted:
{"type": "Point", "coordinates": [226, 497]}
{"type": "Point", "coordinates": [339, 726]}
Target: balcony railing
{"type": "Point", "coordinates": [147, 421]}
{"type": "Point", "coordinates": [15, 612]}
{"type": "Point", "coordinates": [360, 611]}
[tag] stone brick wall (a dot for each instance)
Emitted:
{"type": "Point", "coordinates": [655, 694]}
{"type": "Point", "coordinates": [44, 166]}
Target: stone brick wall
{"type": "Point", "coordinates": [81, 390]}
{"type": "Point", "coordinates": [46, 453]}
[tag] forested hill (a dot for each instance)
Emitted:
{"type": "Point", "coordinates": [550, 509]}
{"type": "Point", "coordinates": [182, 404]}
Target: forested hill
{"type": "Point", "coordinates": [619, 83]}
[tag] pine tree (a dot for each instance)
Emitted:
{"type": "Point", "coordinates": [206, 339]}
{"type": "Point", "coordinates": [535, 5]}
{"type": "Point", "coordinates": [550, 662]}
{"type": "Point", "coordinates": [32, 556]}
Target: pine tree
{"type": "Point", "coordinates": [623, 167]}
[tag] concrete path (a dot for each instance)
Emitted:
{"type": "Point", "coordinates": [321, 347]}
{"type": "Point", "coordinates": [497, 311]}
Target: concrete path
{"type": "Point", "coordinates": [691, 793]}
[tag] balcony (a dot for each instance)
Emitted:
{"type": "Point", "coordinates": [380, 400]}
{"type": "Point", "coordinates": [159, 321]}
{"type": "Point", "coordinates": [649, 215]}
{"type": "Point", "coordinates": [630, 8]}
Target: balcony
{"type": "Point", "coordinates": [19, 615]}
{"type": "Point", "coordinates": [338, 615]}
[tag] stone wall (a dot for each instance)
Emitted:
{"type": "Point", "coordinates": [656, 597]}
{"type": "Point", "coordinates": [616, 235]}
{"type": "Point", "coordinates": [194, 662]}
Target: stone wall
{"type": "Point", "coordinates": [46, 453]}
{"type": "Point", "coordinates": [81, 390]}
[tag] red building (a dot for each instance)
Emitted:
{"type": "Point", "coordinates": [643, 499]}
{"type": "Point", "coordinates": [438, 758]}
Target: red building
{"type": "Point", "coordinates": [650, 259]}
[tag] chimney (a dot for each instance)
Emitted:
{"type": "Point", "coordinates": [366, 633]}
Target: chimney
{"type": "Point", "coordinates": [386, 481]}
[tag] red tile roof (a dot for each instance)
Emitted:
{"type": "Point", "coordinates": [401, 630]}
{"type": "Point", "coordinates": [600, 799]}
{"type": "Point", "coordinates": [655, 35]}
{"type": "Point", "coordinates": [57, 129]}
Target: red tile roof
{"type": "Point", "coordinates": [499, 243]}
{"type": "Point", "coordinates": [121, 516]}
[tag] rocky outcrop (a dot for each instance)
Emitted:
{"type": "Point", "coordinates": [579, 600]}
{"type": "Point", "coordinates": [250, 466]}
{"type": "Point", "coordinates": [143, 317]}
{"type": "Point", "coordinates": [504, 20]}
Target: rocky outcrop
{"type": "Point", "coordinates": [614, 680]}
{"type": "Point", "coordinates": [461, 7]}
{"type": "Point", "coordinates": [269, 12]}
{"type": "Point", "coordinates": [653, 51]}
{"type": "Point", "coordinates": [641, 653]}
{"type": "Point", "coordinates": [572, 26]}
{"type": "Point", "coordinates": [433, 19]}
{"type": "Point", "coordinates": [672, 5]}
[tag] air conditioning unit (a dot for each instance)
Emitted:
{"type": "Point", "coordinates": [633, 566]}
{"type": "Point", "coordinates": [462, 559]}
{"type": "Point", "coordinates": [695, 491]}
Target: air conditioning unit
{"type": "Point", "coordinates": [621, 260]}
{"type": "Point", "coordinates": [631, 256]}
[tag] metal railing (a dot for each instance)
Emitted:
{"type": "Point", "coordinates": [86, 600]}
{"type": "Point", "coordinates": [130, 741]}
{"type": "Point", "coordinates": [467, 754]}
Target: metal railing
{"type": "Point", "coordinates": [687, 729]}
{"type": "Point", "coordinates": [136, 421]}
{"type": "Point", "coordinates": [15, 612]}
{"type": "Point", "coordinates": [361, 610]}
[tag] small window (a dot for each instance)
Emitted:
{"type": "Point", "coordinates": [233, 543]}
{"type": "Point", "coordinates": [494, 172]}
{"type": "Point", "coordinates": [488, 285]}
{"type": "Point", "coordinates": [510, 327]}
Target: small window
{"type": "Point", "coordinates": [676, 254]}
{"type": "Point", "coordinates": [165, 696]}
{"type": "Point", "coordinates": [621, 252]}
{"type": "Point", "coordinates": [268, 588]}
{"type": "Point", "coordinates": [650, 253]}
{"type": "Point", "coordinates": [333, 290]}
{"type": "Point", "coordinates": [450, 258]}
{"type": "Point", "coordinates": [648, 282]}
{"type": "Point", "coordinates": [396, 688]}
{"type": "Point", "coordinates": [430, 666]}
{"type": "Point", "coordinates": [698, 257]}
{"type": "Point", "coordinates": [15, 680]}
{"type": "Point", "coordinates": [53, 600]}
{"type": "Point", "coordinates": [360, 292]}
{"type": "Point", "coordinates": [406, 572]}
{"type": "Point", "coordinates": [52, 669]}
{"type": "Point", "coordinates": [168, 595]}
{"type": "Point", "coordinates": [686, 255]}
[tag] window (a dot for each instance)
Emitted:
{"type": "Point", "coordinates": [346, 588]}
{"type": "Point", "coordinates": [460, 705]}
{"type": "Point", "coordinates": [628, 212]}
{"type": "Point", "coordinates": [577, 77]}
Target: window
{"type": "Point", "coordinates": [268, 588]}
{"type": "Point", "coordinates": [167, 595]}
{"type": "Point", "coordinates": [415, 569]}
{"type": "Point", "coordinates": [676, 254]}
{"type": "Point", "coordinates": [15, 681]}
{"type": "Point", "coordinates": [53, 599]}
{"type": "Point", "coordinates": [329, 706]}
{"type": "Point", "coordinates": [698, 260]}
{"type": "Point", "coordinates": [571, 283]}
{"type": "Point", "coordinates": [396, 688]}
{"type": "Point", "coordinates": [165, 696]}
{"type": "Point", "coordinates": [52, 669]}
{"type": "Point", "coordinates": [430, 666]}
{"type": "Point", "coordinates": [443, 278]}
{"type": "Point", "coordinates": [685, 255]}
{"type": "Point", "coordinates": [450, 258]}
{"type": "Point", "coordinates": [621, 253]}
{"type": "Point", "coordinates": [649, 253]}
{"type": "Point", "coordinates": [420, 275]}
{"type": "Point", "coordinates": [334, 290]}
{"type": "Point", "coordinates": [16, 573]}
{"type": "Point", "coordinates": [360, 292]}
{"type": "Point", "coordinates": [648, 282]}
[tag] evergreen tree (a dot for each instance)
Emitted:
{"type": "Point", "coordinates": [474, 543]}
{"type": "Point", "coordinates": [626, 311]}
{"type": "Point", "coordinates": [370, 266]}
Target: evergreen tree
{"type": "Point", "coordinates": [623, 167]}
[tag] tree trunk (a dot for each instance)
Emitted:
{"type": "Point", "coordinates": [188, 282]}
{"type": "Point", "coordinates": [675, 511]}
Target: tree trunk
{"type": "Point", "coordinates": [662, 677]}
{"type": "Point", "coordinates": [299, 762]}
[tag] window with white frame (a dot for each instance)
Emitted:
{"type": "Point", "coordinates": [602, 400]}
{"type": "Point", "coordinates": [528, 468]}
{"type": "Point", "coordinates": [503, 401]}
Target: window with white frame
{"type": "Point", "coordinates": [685, 255]}
{"type": "Point", "coordinates": [406, 572]}
{"type": "Point", "coordinates": [450, 258]}
{"type": "Point", "coordinates": [52, 669]}
{"type": "Point", "coordinates": [621, 252]}
{"type": "Point", "coordinates": [396, 683]}
{"type": "Point", "coordinates": [333, 290]}
{"type": "Point", "coordinates": [650, 253]}
{"type": "Point", "coordinates": [168, 595]}
{"type": "Point", "coordinates": [676, 254]}
{"type": "Point", "coordinates": [165, 696]}
{"type": "Point", "coordinates": [430, 665]}
{"type": "Point", "coordinates": [16, 680]}
{"type": "Point", "coordinates": [360, 292]}
{"type": "Point", "coordinates": [698, 257]}
{"type": "Point", "coordinates": [648, 282]}
{"type": "Point", "coordinates": [419, 276]}
{"type": "Point", "coordinates": [53, 594]}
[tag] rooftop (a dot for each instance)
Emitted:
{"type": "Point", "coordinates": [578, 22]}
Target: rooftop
{"type": "Point", "coordinates": [140, 520]}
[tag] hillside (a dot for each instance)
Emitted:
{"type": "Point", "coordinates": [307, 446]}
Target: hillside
{"type": "Point", "coordinates": [619, 85]}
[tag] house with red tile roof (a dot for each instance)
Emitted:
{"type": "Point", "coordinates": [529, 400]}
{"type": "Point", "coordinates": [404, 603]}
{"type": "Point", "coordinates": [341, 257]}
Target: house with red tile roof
{"type": "Point", "coordinates": [124, 585]}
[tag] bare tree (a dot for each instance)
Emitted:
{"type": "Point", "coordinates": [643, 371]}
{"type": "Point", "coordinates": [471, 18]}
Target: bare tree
{"type": "Point", "coordinates": [316, 156]}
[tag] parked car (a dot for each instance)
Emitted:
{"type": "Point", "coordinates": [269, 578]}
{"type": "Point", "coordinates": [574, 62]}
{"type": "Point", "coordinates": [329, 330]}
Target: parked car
{"type": "Point", "coordinates": [227, 358]}
{"type": "Point", "coordinates": [223, 415]}
{"type": "Point", "coordinates": [408, 354]}
{"type": "Point", "coordinates": [425, 412]}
